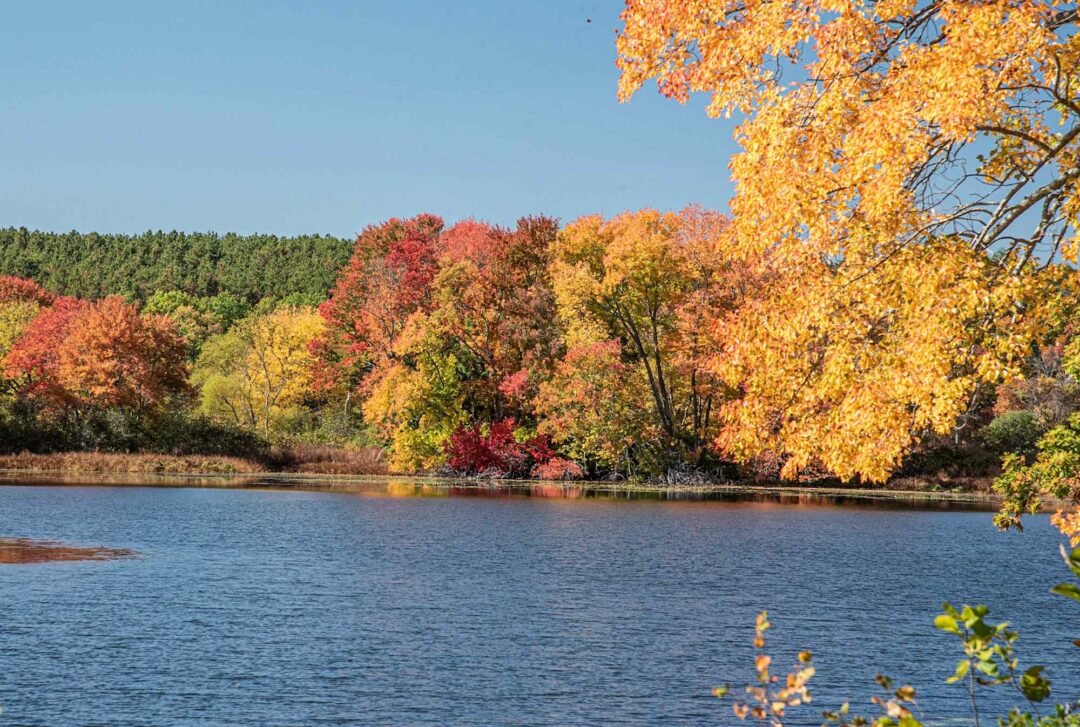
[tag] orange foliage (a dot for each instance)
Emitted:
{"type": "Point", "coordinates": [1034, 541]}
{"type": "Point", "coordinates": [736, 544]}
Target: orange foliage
{"type": "Point", "coordinates": [77, 354]}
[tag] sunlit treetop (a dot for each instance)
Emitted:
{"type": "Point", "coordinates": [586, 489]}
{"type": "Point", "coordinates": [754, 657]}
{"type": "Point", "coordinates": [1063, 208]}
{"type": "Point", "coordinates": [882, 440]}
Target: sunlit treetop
{"type": "Point", "coordinates": [872, 122]}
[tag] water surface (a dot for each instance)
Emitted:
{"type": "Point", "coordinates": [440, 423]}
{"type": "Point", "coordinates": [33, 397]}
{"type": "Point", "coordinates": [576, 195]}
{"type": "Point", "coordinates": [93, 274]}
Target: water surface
{"type": "Point", "coordinates": [272, 607]}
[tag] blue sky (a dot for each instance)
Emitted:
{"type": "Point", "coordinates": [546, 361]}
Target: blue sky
{"type": "Point", "coordinates": [292, 117]}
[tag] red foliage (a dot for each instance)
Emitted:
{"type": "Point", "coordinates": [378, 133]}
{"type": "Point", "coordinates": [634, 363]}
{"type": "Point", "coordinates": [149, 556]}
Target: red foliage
{"type": "Point", "coordinates": [497, 452]}
{"type": "Point", "coordinates": [387, 279]}
{"type": "Point", "coordinates": [558, 468]}
{"type": "Point", "coordinates": [34, 358]}
{"type": "Point", "coordinates": [20, 289]}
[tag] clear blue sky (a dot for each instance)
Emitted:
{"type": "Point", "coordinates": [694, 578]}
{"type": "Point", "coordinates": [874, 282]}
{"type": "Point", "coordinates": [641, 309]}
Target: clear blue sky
{"type": "Point", "coordinates": [293, 117]}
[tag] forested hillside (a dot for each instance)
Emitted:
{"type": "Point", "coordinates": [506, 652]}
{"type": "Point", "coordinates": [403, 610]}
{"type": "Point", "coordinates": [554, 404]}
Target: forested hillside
{"type": "Point", "coordinates": [90, 265]}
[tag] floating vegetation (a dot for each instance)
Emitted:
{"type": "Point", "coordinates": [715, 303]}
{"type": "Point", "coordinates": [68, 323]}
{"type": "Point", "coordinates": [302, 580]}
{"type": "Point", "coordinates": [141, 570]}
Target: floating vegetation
{"type": "Point", "coordinates": [15, 551]}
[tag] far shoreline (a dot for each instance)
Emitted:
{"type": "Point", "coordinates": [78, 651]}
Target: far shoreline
{"type": "Point", "coordinates": [428, 484]}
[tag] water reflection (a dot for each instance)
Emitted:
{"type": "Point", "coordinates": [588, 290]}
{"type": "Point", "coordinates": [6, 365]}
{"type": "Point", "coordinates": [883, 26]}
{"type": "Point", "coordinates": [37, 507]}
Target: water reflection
{"type": "Point", "coordinates": [412, 487]}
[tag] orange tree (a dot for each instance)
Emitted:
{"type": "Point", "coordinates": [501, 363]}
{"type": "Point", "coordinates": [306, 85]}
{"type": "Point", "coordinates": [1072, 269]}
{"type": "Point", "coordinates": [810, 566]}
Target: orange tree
{"type": "Point", "coordinates": [77, 357]}
{"type": "Point", "coordinates": [907, 172]}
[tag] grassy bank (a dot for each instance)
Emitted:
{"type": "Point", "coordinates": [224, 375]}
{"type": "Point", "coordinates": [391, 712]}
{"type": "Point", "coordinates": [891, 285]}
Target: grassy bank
{"type": "Point", "coordinates": [311, 460]}
{"type": "Point", "coordinates": [113, 463]}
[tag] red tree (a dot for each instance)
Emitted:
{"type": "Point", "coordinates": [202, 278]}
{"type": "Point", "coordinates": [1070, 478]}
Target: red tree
{"type": "Point", "coordinates": [387, 279]}
{"type": "Point", "coordinates": [34, 359]}
{"type": "Point", "coordinates": [20, 289]}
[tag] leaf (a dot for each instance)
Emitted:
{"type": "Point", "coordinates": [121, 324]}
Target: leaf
{"type": "Point", "coordinates": [1072, 559]}
{"type": "Point", "coordinates": [1069, 590]}
{"type": "Point", "coordinates": [948, 624]}
{"type": "Point", "coordinates": [905, 693]}
{"type": "Point", "coordinates": [962, 669]}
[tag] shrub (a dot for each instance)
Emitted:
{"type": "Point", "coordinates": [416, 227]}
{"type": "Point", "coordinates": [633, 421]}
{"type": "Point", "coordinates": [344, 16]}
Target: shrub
{"type": "Point", "coordinates": [472, 450]}
{"type": "Point", "coordinates": [1013, 431]}
{"type": "Point", "coordinates": [558, 468]}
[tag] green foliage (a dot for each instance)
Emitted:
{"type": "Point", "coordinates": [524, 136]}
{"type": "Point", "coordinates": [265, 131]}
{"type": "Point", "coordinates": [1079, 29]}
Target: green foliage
{"type": "Point", "coordinates": [1013, 431]}
{"type": "Point", "coordinates": [1055, 472]}
{"type": "Point", "coordinates": [197, 318]}
{"type": "Point", "coordinates": [989, 660]}
{"type": "Point", "coordinates": [200, 264]}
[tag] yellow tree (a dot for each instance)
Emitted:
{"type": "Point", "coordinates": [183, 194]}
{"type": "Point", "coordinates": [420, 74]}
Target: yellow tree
{"type": "Point", "coordinates": [907, 171]}
{"type": "Point", "coordinates": [14, 318]}
{"type": "Point", "coordinates": [260, 370]}
{"type": "Point", "coordinates": [652, 282]}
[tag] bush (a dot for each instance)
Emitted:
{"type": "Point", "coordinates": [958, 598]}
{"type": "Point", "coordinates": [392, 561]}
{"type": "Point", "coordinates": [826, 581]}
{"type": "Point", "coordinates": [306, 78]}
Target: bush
{"type": "Point", "coordinates": [558, 468]}
{"type": "Point", "coordinates": [474, 451]}
{"type": "Point", "coordinates": [179, 434]}
{"type": "Point", "coordinates": [1013, 432]}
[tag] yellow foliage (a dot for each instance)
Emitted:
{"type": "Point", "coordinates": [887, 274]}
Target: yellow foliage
{"type": "Point", "coordinates": [258, 371]}
{"type": "Point", "coordinates": [15, 316]}
{"type": "Point", "coordinates": [898, 183]}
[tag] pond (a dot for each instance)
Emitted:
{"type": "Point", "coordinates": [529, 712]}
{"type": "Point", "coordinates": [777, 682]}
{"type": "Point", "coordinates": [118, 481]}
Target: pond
{"type": "Point", "coordinates": [288, 607]}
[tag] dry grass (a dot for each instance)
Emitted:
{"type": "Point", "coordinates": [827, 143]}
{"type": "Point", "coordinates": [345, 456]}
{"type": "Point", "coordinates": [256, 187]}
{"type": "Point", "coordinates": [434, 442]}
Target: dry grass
{"type": "Point", "coordinates": [101, 462]}
{"type": "Point", "coordinates": [311, 459]}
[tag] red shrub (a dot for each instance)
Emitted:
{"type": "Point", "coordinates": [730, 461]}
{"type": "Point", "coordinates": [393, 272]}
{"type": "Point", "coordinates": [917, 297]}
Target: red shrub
{"type": "Point", "coordinates": [471, 451]}
{"type": "Point", "coordinates": [558, 468]}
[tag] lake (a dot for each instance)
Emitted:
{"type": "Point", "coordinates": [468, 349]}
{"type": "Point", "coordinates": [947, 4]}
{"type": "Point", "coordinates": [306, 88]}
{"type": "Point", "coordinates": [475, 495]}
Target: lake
{"type": "Point", "coordinates": [278, 607]}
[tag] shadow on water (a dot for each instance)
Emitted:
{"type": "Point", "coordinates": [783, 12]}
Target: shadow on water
{"type": "Point", "coordinates": [19, 551]}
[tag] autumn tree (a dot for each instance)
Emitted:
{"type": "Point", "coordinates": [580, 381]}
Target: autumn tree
{"type": "Point", "coordinates": [113, 357]}
{"type": "Point", "coordinates": [23, 290]}
{"type": "Point", "coordinates": [493, 303]}
{"type": "Point", "coordinates": [14, 318]}
{"type": "Point", "coordinates": [907, 172]}
{"type": "Point", "coordinates": [33, 361]}
{"type": "Point", "coordinates": [596, 407]}
{"type": "Point", "coordinates": [76, 356]}
{"type": "Point", "coordinates": [20, 302]}
{"type": "Point", "coordinates": [475, 352]}
{"type": "Point", "coordinates": [258, 375]}
{"type": "Point", "coordinates": [653, 283]}
{"type": "Point", "coordinates": [386, 280]}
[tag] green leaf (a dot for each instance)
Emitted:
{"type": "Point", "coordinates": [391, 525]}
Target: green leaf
{"type": "Point", "coordinates": [1034, 686]}
{"type": "Point", "coordinates": [1069, 590]}
{"type": "Point", "coordinates": [1072, 559]}
{"type": "Point", "coordinates": [947, 623]}
{"type": "Point", "coordinates": [962, 668]}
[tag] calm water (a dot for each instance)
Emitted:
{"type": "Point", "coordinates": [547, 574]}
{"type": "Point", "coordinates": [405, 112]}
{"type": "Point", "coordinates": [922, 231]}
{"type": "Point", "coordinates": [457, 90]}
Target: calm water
{"type": "Point", "coordinates": [256, 607]}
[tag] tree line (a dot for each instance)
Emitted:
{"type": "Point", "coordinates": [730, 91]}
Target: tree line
{"type": "Point", "coordinates": [628, 347]}
{"type": "Point", "coordinates": [252, 267]}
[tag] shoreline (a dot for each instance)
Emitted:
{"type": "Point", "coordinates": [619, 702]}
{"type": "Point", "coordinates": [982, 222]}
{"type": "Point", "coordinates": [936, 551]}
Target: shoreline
{"type": "Point", "coordinates": [316, 482]}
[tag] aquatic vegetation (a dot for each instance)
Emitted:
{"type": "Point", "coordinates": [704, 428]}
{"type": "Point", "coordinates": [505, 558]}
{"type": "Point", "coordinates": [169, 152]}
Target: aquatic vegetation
{"type": "Point", "coordinates": [25, 550]}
